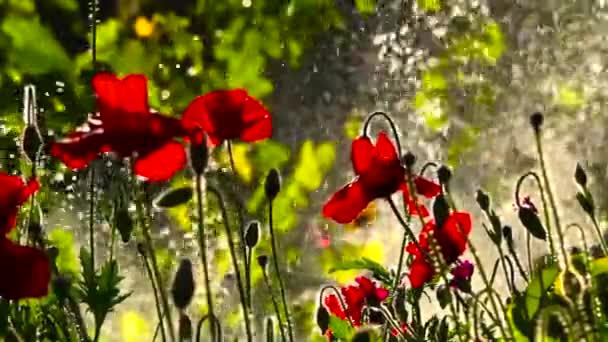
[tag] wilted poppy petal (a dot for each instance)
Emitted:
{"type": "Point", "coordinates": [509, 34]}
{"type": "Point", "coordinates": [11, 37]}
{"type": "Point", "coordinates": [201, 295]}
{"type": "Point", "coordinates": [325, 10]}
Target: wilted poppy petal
{"type": "Point", "coordinates": [161, 164]}
{"type": "Point", "coordinates": [427, 188]}
{"type": "Point", "coordinates": [116, 96]}
{"type": "Point", "coordinates": [346, 204]}
{"type": "Point", "coordinates": [385, 150]}
{"type": "Point", "coordinates": [25, 271]}
{"type": "Point", "coordinates": [420, 272]}
{"type": "Point", "coordinates": [78, 149]}
{"type": "Point", "coordinates": [361, 154]}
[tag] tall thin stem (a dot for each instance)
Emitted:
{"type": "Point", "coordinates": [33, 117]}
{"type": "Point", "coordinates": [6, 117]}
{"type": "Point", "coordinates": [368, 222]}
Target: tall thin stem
{"type": "Point", "coordinates": [159, 311]}
{"type": "Point", "coordinates": [600, 236]}
{"type": "Point", "coordinates": [275, 260]}
{"type": "Point", "coordinates": [274, 304]}
{"type": "Point", "coordinates": [92, 169]}
{"type": "Point", "coordinates": [202, 239]}
{"type": "Point", "coordinates": [235, 264]}
{"type": "Point", "coordinates": [543, 168]}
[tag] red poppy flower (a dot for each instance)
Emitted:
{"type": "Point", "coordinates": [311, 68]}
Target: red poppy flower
{"type": "Point", "coordinates": [462, 274]}
{"type": "Point", "coordinates": [228, 114]}
{"type": "Point", "coordinates": [356, 297]}
{"type": "Point", "coordinates": [13, 193]}
{"type": "Point", "coordinates": [379, 174]}
{"type": "Point", "coordinates": [125, 125]}
{"type": "Point", "coordinates": [450, 240]}
{"type": "Point", "coordinates": [24, 271]}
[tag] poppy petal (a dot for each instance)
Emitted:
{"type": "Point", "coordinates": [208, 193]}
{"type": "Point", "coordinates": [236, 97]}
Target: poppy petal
{"type": "Point", "coordinates": [362, 151]}
{"type": "Point", "coordinates": [385, 150]}
{"type": "Point", "coordinates": [346, 204]}
{"type": "Point", "coordinates": [116, 96]}
{"type": "Point", "coordinates": [257, 130]}
{"type": "Point", "coordinates": [79, 149]}
{"type": "Point", "coordinates": [334, 306]}
{"type": "Point", "coordinates": [420, 272]}
{"type": "Point", "coordinates": [27, 268]}
{"type": "Point", "coordinates": [161, 164]}
{"type": "Point", "coordinates": [29, 189]}
{"type": "Point", "coordinates": [381, 294]}
{"type": "Point", "coordinates": [426, 187]}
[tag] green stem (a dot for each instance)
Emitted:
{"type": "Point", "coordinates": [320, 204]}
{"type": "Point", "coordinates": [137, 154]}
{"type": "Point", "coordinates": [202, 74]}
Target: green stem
{"type": "Point", "coordinates": [235, 264]}
{"type": "Point", "coordinates": [543, 168]}
{"type": "Point", "coordinates": [600, 236]}
{"type": "Point", "coordinates": [159, 311]}
{"type": "Point", "coordinates": [275, 305]}
{"type": "Point", "coordinates": [278, 271]}
{"type": "Point", "coordinates": [154, 263]}
{"type": "Point", "coordinates": [202, 239]}
{"type": "Point", "coordinates": [92, 216]}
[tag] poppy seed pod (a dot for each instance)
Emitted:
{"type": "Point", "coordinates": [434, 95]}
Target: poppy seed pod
{"type": "Point", "coordinates": [580, 176]}
{"type": "Point", "coordinates": [444, 174]}
{"type": "Point", "coordinates": [262, 261]}
{"type": "Point", "coordinates": [199, 153]}
{"type": "Point", "coordinates": [409, 159]}
{"type": "Point", "coordinates": [183, 285]}
{"type": "Point", "coordinates": [536, 120]}
{"type": "Point", "coordinates": [252, 234]}
{"type": "Point", "coordinates": [272, 186]}
{"type": "Point", "coordinates": [483, 200]}
{"type": "Point", "coordinates": [31, 143]}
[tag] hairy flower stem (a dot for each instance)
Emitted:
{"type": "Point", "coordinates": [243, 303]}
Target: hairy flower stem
{"type": "Point", "coordinates": [500, 308]}
{"type": "Point", "coordinates": [159, 311]}
{"type": "Point", "coordinates": [235, 263]}
{"type": "Point", "coordinates": [275, 261]}
{"type": "Point", "coordinates": [246, 254]}
{"type": "Point", "coordinates": [202, 240]}
{"type": "Point", "coordinates": [539, 147]}
{"type": "Point", "coordinates": [92, 167]}
{"type": "Point", "coordinates": [275, 304]}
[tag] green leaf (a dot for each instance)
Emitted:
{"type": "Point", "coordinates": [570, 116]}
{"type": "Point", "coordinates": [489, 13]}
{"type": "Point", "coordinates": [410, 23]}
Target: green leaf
{"type": "Point", "coordinates": [66, 261]}
{"type": "Point", "coordinates": [366, 6]}
{"type": "Point", "coordinates": [430, 5]}
{"type": "Point", "coordinates": [175, 197]}
{"type": "Point", "coordinates": [538, 287]}
{"type": "Point", "coordinates": [380, 272]}
{"type": "Point", "coordinates": [340, 329]}
{"type": "Point", "coordinates": [532, 223]}
{"type": "Point", "coordinates": [34, 48]}
{"type": "Point", "coordinates": [599, 266]}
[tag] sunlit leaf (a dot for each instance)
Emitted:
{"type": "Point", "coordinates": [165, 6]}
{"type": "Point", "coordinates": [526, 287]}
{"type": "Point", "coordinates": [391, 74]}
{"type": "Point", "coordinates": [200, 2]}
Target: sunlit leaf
{"type": "Point", "coordinates": [67, 261]}
{"type": "Point", "coordinates": [134, 327]}
{"type": "Point", "coordinates": [366, 6]}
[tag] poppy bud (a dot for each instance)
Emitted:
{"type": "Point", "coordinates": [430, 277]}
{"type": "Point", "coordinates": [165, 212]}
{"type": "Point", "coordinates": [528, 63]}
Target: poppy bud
{"type": "Point", "coordinates": [273, 184]}
{"type": "Point", "coordinates": [199, 153]}
{"type": "Point", "coordinates": [183, 285]}
{"type": "Point", "coordinates": [580, 176]}
{"type": "Point", "coordinates": [483, 200]}
{"type": "Point", "coordinates": [185, 328]}
{"type": "Point", "coordinates": [530, 220]}
{"type": "Point", "coordinates": [262, 261]}
{"type": "Point", "coordinates": [322, 319]}
{"type": "Point", "coordinates": [252, 234]}
{"type": "Point", "coordinates": [409, 159]}
{"type": "Point", "coordinates": [61, 287]}
{"type": "Point", "coordinates": [444, 296]}
{"type": "Point", "coordinates": [124, 224]}
{"type": "Point", "coordinates": [444, 174]}
{"type": "Point", "coordinates": [536, 120]}
{"type": "Point", "coordinates": [269, 329]}
{"type": "Point", "coordinates": [31, 142]}
{"type": "Point", "coordinates": [571, 284]}
{"type": "Point", "coordinates": [575, 250]}
{"type": "Point", "coordinates": [441, 210]}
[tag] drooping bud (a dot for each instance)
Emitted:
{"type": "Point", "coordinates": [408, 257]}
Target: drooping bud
{"type": "Point", "coordinates": [580, 176]}
{"type": "Point", "coordinates": [272, 186]}
{"type": "Point", "coordinates": [252, 234]}
{"type": "Point", "coordinates": [536, 120]}
{"type": "Point", "coordinates": [530, 220]}
{"type": "Point", "coordinates": [199, 153]}
{"type": "Point", "coordinates": [322, 319]}
{"type": "Point", "coordinates": [409, 159]}
{"type": "Point", "coordinates": [262, 261]}
{"type": "Point", "coordinates": [185, 328]}
{"type": "Point", "coordinates": [183, 285]}
{"type": "Point", "coordinates": [483, 200]}
{"type": "Point", "coordinates": [507, 234]}
{"type": "Point", "coordinates": [124, 224]}
{"type": "Point", "coordinates": [444, 174]}
{"type": "Point", "coordinates": [441, 210]}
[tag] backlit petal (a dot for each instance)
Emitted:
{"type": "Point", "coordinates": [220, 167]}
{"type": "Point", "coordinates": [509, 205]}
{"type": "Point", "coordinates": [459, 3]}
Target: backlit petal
{"type": "Point", "coordinates": [257, 130]}
{"type": "Point", "coordinates": [427, 188]}
{"type": "Point", "coordinates": [420, 272]}
{"type": "Point", "coordinates": [385, 149]}
{"type": "Point", "coordinates": [161, 164]}
{"type": "Point", "coordinates": [116, 96]}
{"type": "Point", "coordinates": [361, 154]}
{"type": "Point", "coordinates": [79, 149]}
{"type": "Point", "coordinates": [27, 270]}
{"type": "Point", "coordinates": [346, 204]}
